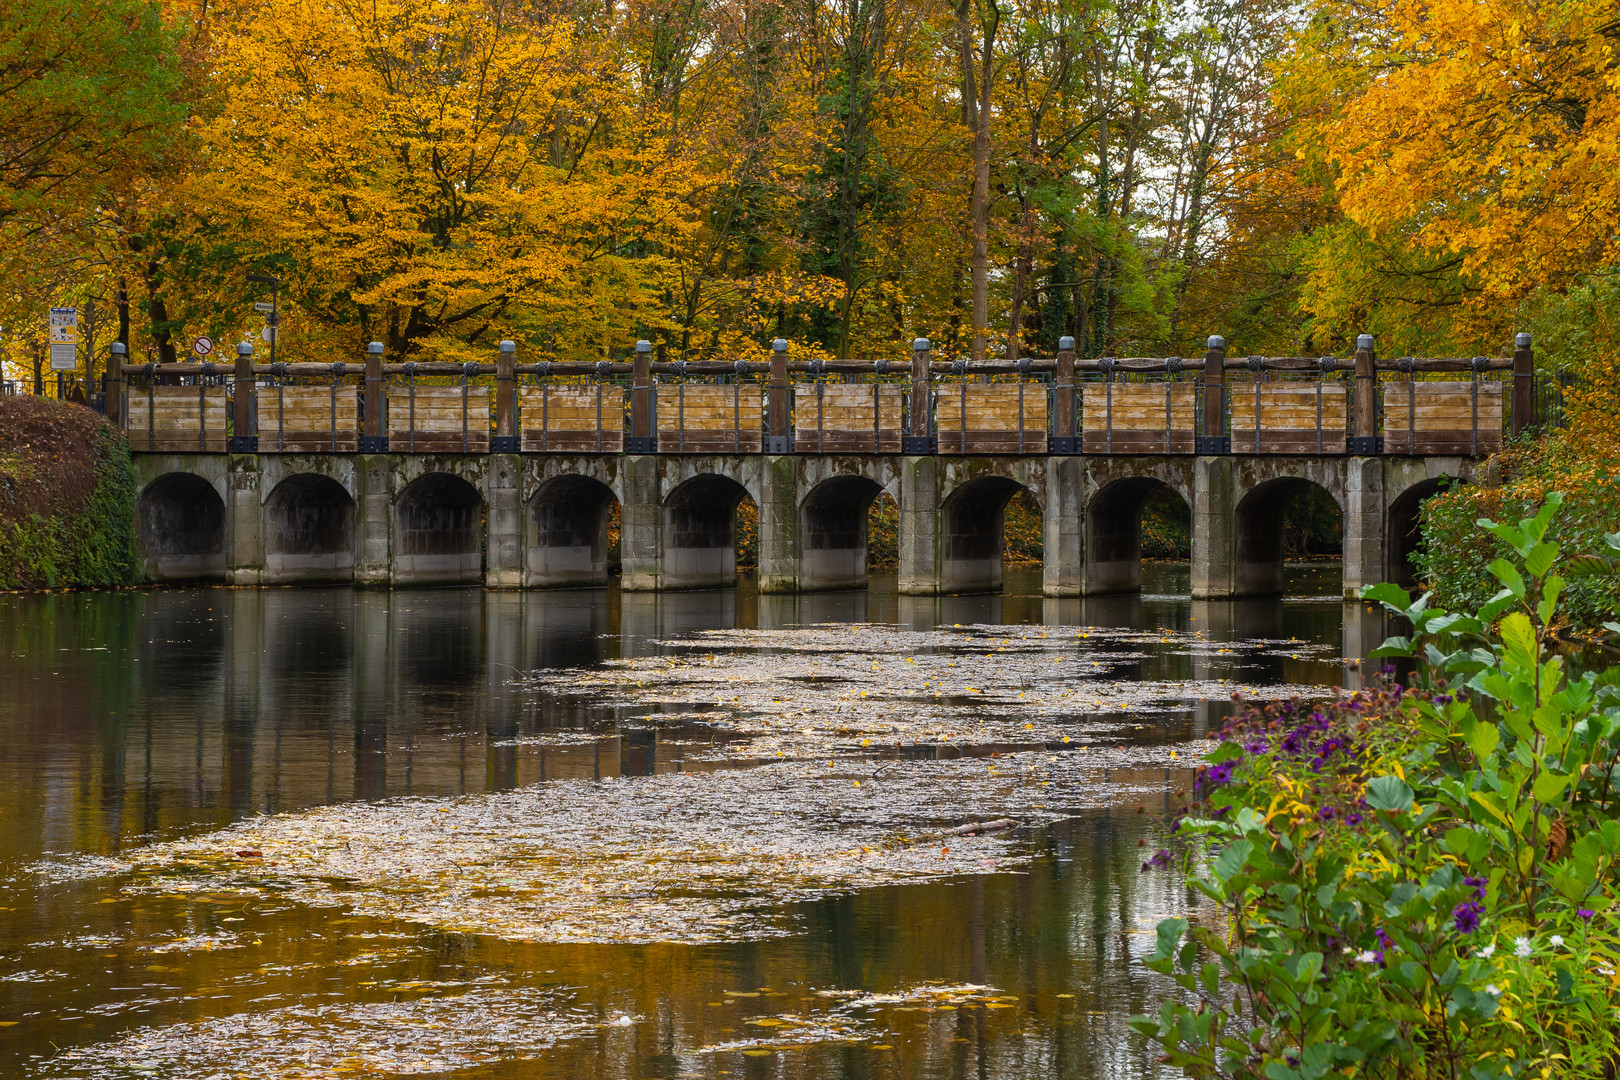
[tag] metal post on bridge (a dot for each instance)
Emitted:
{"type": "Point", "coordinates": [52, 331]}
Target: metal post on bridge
{"type": "Point", "coordinates": [641, 439]}
{"type": "Point", "coordinates": [115, 382]}
{"type": "Point", "coordinates": [917, 439]}
{"type": "Point", "coordinates": [1524, 383]}
{"type": "Point", "coordinates": [373, 440]}
{"type": "Point", "coordinates": [243, 441]}
{"type": "Point", "coordinates": [506, 437]}
{"type": "Point", "coordinates": [780, 440]}
{"type": "Point", "coordinates": [1063, 438]}
{"type": "Point", "coordinates": [1214, 439]}
{"type": "Point", "coordinates": [1366, 441]}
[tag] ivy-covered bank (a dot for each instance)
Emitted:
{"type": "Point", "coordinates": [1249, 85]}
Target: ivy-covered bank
{"type": "Point", "coordinates": [1414, 881]}
{"type": "Point", "coordinates": [66, 497]}
{"type": "Point", "coordinates": [1583, 462]}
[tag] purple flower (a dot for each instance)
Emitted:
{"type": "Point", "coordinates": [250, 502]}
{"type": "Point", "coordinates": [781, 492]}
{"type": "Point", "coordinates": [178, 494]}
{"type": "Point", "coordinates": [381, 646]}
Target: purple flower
{"type": "Point", "coordinates": [1160, 861]}
{"type": "Point", "coordinates": [1326, 813]}
{"type": "Point", "coordinates": [1352, 819]}
{"type": "Point", "coordinates": [1465, 916]}
{"type": "Point", "coordinates": [1585, 912]}
{"type": "Point", "coordinates": [1478, 884]}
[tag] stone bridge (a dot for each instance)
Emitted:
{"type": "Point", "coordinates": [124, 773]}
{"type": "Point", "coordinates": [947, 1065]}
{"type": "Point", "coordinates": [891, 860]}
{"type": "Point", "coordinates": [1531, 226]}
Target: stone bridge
{"type": "Point", "coordinates": [465, 499]}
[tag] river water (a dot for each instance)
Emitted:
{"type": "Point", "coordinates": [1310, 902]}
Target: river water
{"type": "Point", "coordinates": [311, 833]}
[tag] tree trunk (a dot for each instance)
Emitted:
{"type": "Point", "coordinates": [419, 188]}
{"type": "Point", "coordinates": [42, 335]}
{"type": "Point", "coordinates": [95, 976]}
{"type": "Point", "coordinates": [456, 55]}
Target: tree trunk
{"type": "Point", "coordinates": [977, 92]}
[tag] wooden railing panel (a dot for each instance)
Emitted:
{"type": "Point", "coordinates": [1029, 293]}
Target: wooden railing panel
{"type": "Point", "coordinates": [991, 418]}
{"type": "Point", "coordinates": [438, 419]}
{"type": "Point", "coordinates": [308, 419]}
{"type": "Point", "coordinates": [177, 419]}
{"type": "Point", "coordinates": [710, 419]}
{"type": "Point", "coordinates": [572, 419]}
{"type": "Point", "coordinates": [1443, 417]}
{"type": "Point", "coordinates": [1138, 418]}
{"type": "Point", "coordinates": [847, 418]}
{"type": "Point", "coordinates": [1293, 418]}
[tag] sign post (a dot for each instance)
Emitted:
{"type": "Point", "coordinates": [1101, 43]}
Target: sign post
{"type": "Point", "coordinates": [64, 339]}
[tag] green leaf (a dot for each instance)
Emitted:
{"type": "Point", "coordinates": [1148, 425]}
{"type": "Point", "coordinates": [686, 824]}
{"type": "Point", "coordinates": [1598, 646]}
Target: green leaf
{"type": "Point", "coordinates": [1482, 738]}
{"type": "Point", "coordinates": [1393, 597]}
{"type": "Point", "coordinates": [1389, 793]}
{"type": "Point", "coordinates": [1541, 559]}
{"type": "Point", "coordinates": [1392, 646]}
{"type": "Point", "coordinates": [1170, 931]}
{"type": "Point", "coordinates": [1231, 861]}
{"type": "Point", "coordinates": [1508, 575]}
{"type": "Point", "coordinates": [1519, 640]}
{"type": "Point", "coordinates": [1549, 785]}
{"type": "Point", "coordinates": [1588, 566]}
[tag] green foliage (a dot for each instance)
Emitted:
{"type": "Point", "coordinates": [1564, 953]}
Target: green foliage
{"type": "Point", "coordinates": [1414, 882]}
{"type": "Point", "coordinates": [1454, 561]}
{"type": "Point", "coordinates": [92, 545]}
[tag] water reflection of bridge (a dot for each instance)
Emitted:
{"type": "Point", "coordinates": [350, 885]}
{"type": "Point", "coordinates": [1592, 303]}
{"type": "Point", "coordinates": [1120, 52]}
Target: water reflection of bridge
{"type": "Point", "coordinates": [268, 700]}
{"type": "Point", "coordinates": [408, 474]}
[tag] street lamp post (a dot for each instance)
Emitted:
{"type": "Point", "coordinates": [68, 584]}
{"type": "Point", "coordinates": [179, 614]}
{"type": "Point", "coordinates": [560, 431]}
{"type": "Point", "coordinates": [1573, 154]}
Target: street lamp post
{"type": "Point", "coordinates": [275, 308]}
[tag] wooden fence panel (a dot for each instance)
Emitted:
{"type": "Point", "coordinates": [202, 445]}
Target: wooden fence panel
{"type": "Point", "coordinates": [572, 419]}
{"type": "Point", "coordinates": [308, 419]}
{"type": "Point", "coordinates": [847, 418]}
{"type": "Point", "coordinates": [1443, 417]}
{"type": "Point", "coordinates": [1293, 417]}
{"type": "Point", "coordinates": [709, 419]}
{"type": "Point", "coordinates": [438, 419]}
{"type": "Point", "coordinates": [991, 418]}
{"type": "Point", "coordinates": [1138, 418]}
{"type": "Point", "coordinates": [177, 419]}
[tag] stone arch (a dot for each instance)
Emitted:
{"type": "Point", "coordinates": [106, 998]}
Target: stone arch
{"type": "Point", "coordinates": [309, 530]}
{"type": "Point", "coordinates": [438, 532]}
{"type": "Point", "coordinates": [1403, 529]}
{"type": "Point", "coordinates": [700, 532]}
{"type": "Point", "coordinates": [1258, 532]}
{"type": "Point", "coordinates": [567, 534]}
{"type": "Point", "coordinates": [180, 528]}
{"type": "Point", "coordinates": [833, 532]}
{"type": "Point", "coordinates": [1114, 532]}
{"type": "Point", "coordinates": [972, 532]}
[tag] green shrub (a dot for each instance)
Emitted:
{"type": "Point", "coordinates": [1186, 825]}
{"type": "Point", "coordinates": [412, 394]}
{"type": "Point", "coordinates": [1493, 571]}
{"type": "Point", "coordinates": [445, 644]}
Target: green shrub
{"type": "Point", "coordinates": [1413, 882]}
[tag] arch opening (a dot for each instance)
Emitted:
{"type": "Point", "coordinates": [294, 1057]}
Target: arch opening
{"type": "Point", "coordinates": [1285, 518]}
{"type": "Point", "coordinates": [835, 528]}
{"type": "Point", "coordinates": [1128, 519]}
{"type": "Point", "coordinates": [1406, 530]}
{"type": "Point", "coordinates": [309, 531]}
{"type": "Point", "coordinates": [711, 527]}
{"type": "Point", "coordinates": [975, 544]}
{"type": "Point", "coordinates": [180, 528]}
{"type": "Point", "coordinates": [573, 534]}
{"type": "Point", "coordinates": [439, 535]}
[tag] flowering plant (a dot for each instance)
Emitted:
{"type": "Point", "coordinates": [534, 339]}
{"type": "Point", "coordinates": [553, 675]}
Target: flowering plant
{"type": "Point", "coordinates": [1414, 881]}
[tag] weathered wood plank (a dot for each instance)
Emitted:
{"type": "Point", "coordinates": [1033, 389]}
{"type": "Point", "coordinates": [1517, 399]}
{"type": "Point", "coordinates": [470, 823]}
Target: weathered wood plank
{"type": "Point", "coordinates": [710, 419]}
{"type": "Point", "coordinates": [1137, 414]}
{"type": "Point", "coordinates": [174, 419]}
{"type": "Point", "coordinates": [299, 420]}
{"type": "Point", "coordinates": [847, 418]}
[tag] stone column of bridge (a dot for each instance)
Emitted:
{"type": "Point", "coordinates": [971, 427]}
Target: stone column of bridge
{"type": "Point", "coordinates": [503, 485]}
{"type": "Point", "coordinates": [373, 519]}
{"type": "Point", "coordinates": [641, 526]}
{"type": "Point", "coordinates": [779, 542]}
{"type": "Point", "coordinates": [244, 516]}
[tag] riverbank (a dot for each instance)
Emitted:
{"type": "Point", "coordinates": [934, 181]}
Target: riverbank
{"type": "Point", "coordinates": [66, 497]}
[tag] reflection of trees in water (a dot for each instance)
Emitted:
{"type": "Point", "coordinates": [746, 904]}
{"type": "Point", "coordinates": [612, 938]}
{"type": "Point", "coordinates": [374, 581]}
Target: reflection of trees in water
{"type": "Point", "coordinates": [1312, 524]}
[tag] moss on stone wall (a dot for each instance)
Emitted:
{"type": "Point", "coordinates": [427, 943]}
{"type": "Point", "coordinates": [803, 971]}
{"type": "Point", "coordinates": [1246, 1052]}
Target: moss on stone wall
{"type": "Point", "coordinates": [66, 497]}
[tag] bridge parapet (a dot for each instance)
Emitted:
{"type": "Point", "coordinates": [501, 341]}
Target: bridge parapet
{"type": "Point", "coordinates": [1063, 405]}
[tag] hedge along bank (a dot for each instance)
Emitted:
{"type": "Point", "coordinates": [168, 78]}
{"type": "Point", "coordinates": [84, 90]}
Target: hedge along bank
{"type": "Point", "coordinates": [66, 497]}
{"type": "Point", "coordinates": [1412, 881]}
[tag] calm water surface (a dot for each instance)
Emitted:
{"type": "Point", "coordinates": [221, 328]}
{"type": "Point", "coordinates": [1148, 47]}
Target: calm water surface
{"type": "Point", "coordinates": [137, 717]}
